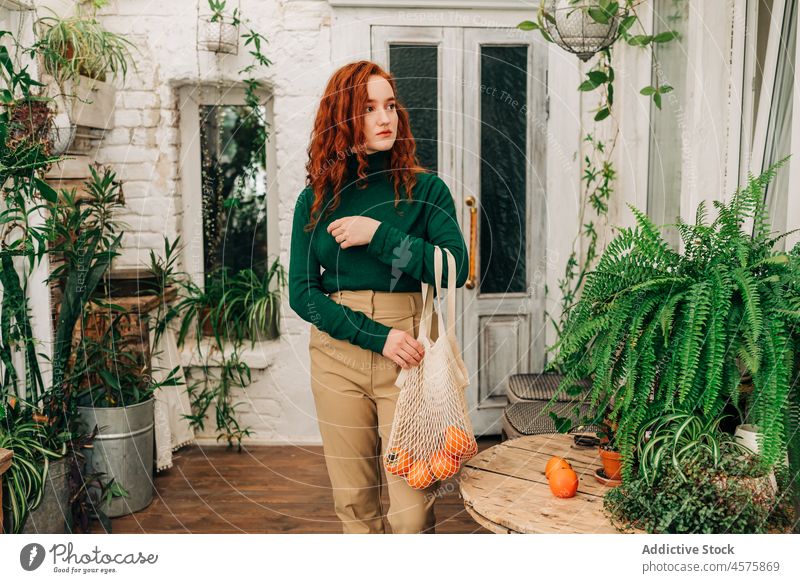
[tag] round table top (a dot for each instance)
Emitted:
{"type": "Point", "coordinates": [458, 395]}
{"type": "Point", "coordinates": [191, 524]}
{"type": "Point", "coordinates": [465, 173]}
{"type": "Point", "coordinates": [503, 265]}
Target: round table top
{"type": "Point", "coordinates": [505, 490]}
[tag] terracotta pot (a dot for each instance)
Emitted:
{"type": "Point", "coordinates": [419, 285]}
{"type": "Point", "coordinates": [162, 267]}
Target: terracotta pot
{"type": "Point", "coordinates": [612, 463]}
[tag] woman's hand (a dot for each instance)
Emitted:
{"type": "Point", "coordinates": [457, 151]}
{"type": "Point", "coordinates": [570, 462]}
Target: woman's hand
{"type": "Point", "coordinates": [353, 231]}
{"type": "Point", "coordinates": [403, 349]}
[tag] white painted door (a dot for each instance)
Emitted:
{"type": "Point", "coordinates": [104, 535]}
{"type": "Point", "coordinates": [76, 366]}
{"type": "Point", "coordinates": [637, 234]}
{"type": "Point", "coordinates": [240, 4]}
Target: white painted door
{"type": "Point", "coordinates": [476, 97]}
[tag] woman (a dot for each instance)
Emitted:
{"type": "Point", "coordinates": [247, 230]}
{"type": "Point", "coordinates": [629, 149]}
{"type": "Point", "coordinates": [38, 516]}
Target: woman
{"type": "Point", "coordinates": [370, 216]}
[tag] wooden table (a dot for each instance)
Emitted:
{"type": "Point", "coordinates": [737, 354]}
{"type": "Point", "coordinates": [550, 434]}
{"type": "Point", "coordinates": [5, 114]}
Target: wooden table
{"type": "Point", "coordinates": [505, 490]}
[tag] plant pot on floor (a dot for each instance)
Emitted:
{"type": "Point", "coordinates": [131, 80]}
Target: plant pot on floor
{"type": "Point", "coordinates": [612, 463]}
{"type": "Point", "coordinates": [747, 435]}
{"type": "Point", "coordinates": [53, 512]}
{"type": "Point", "coordinates": [123, 449]}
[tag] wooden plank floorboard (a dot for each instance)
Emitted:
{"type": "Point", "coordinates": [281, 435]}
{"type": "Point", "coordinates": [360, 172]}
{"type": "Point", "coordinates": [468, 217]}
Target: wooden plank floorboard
{"type": "Point", "coordinates": [262, 489]}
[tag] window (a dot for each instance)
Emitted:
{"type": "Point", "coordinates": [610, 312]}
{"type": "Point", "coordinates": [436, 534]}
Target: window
{"type": "Point", "coordinates": [779, 127]}
{"type": "Point", "coordinates": [226, 167]}
{"type": "Point", "coordinates": [233, 167]}
{"type": "Point", "coordinates": [668, 125]}
{"type": "Point", "coordinates": [415, 68]}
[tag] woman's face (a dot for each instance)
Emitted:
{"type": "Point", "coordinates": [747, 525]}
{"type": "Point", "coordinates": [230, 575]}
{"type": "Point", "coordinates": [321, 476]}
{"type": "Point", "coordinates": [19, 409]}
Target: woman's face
{"type": "Point", "coordinates": [380, 115]}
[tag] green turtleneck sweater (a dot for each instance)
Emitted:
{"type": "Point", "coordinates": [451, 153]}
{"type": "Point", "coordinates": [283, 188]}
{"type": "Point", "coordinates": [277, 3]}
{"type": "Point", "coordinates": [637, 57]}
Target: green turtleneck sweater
{"type": "Point", "coordinates": [397, 259]}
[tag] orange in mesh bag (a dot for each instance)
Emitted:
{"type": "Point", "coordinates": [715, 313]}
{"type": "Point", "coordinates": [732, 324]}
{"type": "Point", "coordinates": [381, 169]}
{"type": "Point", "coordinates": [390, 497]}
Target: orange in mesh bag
{"type": "Point", "coordinates": [431, 433]}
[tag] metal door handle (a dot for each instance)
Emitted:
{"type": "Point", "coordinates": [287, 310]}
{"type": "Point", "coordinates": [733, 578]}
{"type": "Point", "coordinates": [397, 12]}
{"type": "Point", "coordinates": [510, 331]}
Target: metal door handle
{"type": "Point", "coordinates": [473, 240]}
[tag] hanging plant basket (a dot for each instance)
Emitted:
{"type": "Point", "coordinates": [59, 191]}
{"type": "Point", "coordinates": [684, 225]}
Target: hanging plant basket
{"type": "Point", "coordinates": [576, 30]}
{"type": "Point", "coordinates": [217, 36]}
{"type": "Point", "coordinates": [29, 122]}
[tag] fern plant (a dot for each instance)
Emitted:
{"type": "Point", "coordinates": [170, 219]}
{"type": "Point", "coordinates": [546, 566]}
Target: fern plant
{"type": "Point", "coordinates": [656, 329]}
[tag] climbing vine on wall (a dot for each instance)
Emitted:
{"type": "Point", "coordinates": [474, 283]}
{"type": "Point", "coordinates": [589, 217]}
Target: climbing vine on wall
{"type": "Point", "coordinates": [598, 172]}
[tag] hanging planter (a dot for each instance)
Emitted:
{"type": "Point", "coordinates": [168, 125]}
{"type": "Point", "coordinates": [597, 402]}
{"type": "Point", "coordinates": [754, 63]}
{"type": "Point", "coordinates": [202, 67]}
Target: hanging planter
{"type": "Point", "coordinates": [217, 31]}
{"type": "Point", "coordinates": [582, 27]}
{"type": "Point", "coordinates": [219, 37]}
{"type": "Point", "coordinates": [29, 122]}
{"type": "Point", "coordinates": [62, 134]}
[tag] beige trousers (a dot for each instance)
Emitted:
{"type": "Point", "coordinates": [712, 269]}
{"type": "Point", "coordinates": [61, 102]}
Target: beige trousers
{"type": "Point", "coordinates": [355, 398]}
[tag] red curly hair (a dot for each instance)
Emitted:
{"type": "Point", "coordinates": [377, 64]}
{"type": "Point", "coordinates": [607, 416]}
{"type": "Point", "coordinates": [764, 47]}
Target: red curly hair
{"type": "Point", "coordinates": [339, 129]}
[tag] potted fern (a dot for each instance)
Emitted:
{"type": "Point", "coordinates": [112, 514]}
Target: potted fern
{"type": "Point", "coordinates": [656, 329]}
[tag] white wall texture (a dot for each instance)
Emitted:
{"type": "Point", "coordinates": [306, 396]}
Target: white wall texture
{"type": "Point", "coordinates": [145, 149]}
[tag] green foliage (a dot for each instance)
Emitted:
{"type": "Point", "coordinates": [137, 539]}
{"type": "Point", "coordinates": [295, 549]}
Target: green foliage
{"type": "Point", "coordinates": [733, 497]}
{"type": "Point", "coordinates": [656, 330]}
{"type": "Point", "coordinates": [235, 306]}
{"type": "Point", "coordinates": [86, 236]}
{"type": "Point", "coordinates": [680, 438]}
{"type": "Point", "coordinates": [79, 45]}
{"type": "Point", "coordinates": [215, 386]}
{"type": "Point", "coordinates": [109, 373]}
{"type": "Point", "coordinates": [23, 483]}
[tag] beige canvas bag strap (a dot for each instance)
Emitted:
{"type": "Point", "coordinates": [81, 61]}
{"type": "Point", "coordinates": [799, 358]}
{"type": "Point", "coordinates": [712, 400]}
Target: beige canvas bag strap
{"type": "Point", "coordinates": [451, 295]}
{"type": "Point", "coordinates": [427, 304]}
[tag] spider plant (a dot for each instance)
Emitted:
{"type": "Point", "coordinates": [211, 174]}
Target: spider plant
{"type": "Point", "coordinates": [79, 45]}
{"type": "Point", "coordinates": [678, 438]}
{"type": "Point", "coordinates": [250, 306]}
{"type": "Point", "coordinates": [24, 481]}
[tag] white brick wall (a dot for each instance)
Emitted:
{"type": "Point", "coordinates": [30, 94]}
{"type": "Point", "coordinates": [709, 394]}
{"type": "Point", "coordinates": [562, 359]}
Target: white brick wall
{"type": "Point", "coordinates": [144, 149]}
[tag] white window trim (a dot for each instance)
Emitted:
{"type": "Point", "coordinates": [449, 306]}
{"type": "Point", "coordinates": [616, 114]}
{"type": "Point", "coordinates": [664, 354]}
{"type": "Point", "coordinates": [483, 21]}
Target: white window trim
{"type": "Point", "coordinates": [753, 154]}
{"type": "Point", "coordinates": [707, 161]}
{"type": "Point", "coordinates": [190, 99]}
{"type": "Point", "coordinates": [793, 204]}
{"type": "Point", "coordinates": [756, 158]}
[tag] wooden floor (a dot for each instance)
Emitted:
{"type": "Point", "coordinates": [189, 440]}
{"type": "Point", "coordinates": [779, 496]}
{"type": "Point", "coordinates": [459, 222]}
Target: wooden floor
{"type": "Point", "coordinates": [262, 489]}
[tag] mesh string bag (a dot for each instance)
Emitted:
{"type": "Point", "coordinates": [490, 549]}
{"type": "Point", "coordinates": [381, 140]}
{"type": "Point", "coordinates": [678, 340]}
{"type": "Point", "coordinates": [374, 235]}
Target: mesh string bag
{"type": "Point", "coordinates": [431, 434]}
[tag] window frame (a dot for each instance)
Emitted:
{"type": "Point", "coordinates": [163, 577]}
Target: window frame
{"type": "Point", "coordinates": [191, 97]}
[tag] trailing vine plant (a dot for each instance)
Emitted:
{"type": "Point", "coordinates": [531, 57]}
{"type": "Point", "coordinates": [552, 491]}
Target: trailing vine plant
{"type": "Point", "coordinates": [599, 173]}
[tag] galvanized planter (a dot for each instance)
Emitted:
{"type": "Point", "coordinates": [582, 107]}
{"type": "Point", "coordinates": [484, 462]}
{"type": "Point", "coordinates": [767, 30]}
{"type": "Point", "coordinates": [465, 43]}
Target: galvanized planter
{"type": "Point", "coordinates": [123, 449]}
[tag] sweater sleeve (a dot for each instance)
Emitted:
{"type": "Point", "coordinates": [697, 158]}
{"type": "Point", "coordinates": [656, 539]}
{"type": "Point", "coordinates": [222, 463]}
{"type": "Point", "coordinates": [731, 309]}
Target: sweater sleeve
{"type": "Point", "coordinates": [414, 255]}
{"type": "Point", "coordinates": [307, 297]}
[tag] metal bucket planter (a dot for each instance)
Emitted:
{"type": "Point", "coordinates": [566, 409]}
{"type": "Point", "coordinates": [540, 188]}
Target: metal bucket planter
{"type": "Point", "coordinates": [123, 449]}
{"type": "Point", "coordinates": [53, 512]}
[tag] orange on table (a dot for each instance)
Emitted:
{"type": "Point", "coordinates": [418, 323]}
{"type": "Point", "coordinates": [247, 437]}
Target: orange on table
{"type": "Point", "coordinates": [443, 465]}
{"type": "Point", "coordinates": [397, 461]}
{"type": "Point", "coordinates": [555, 463]}
{"type": "Point", "coordinates": [457, 442]}
{"type": "Point", "coordinates": [420, 475]}
{"type": "Point", "coordinates": [563, 483]}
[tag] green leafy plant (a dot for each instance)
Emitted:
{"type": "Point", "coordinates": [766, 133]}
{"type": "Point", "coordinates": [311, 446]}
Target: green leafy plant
{"type": "Point", "coordinates": [250, 306]}
{"type": "Point", "coordinates": [79, 45]}
{"type": "Point", "coordinates": [678, 438]}
{"type": "Point", "coordinates": [732, 497]}
{"type": "Point", "coordinates": [219, 12]}
{"type": "Point", "coordinates": [656, 329]}
{"type": "Point", "coordinates": [85, 237]}
{"type": "Point", "coordinates": [228, 309]}
{"type": "Point", "coordinates": [23, 483]}
{"type": "Point", "coordinates": [109, 373]}
{"type": "Point", "coordinates": [599, 172]}
{"type": "Point", "coordinates": [214, 387]}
